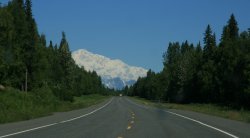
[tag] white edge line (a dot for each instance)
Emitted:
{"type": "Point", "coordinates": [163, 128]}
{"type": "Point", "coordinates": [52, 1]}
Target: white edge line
{"type": "Point", "coordinates": [61, 122]}
{"type": "Point", "coordinates": [199, 122]}
{"type": "Point", "coordinates": [27, 130]}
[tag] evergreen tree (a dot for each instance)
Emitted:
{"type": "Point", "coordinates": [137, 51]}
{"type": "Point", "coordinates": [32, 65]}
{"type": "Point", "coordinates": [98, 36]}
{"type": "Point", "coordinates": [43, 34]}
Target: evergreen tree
{"type": "Point", "coordinates": [16, 44]}
{"type": "Point", "coordinates": [207, 75]}
{"type": "Point", "coordinates": [230, 64]}
{"type": "Point", "coordinates": [65, 74]}
{"type": "Point", "coordinates": [22, 48]}
{"type": "Point", "coordinates": [28, 9]}
{"type": "Point", "coordinates": [51, 45]}
{"type": "Point", "coordinates": [185, 47]}
{"type": "Point", "coordinates": [198, 48]}
{"type": "Point", "coordinates": [212, 75]}
{"type": "Point", "coordinates": [171, 63]}
{"type": "Point", "coordinates": [225, 34]}
{"type": "Point", "coordinates": [43, 40]}
{"type": "Point", "coordinates": [209, 43]}
{"type": "Point", "coordinates": [40, 65]}
{"type": "Point", "coordinates": [172, 54]}
{"type": "Point", "coordinates": [231, 30]}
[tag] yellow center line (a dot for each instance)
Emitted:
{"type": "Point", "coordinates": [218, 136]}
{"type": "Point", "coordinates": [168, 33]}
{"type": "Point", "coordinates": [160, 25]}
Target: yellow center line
{"type": "Point", "coordinates": [129, 127]}
{"type": "Point", "coordinates": [131, 122]}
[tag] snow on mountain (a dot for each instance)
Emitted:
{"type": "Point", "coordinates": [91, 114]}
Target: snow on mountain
{"type": "Point", "coordinates": [114, 73]}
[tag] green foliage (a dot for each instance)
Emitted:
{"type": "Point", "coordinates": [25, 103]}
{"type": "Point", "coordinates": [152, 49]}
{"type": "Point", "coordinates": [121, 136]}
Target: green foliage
{"type": "Point", "coordinates": [16, 105]}
{"type": "Point", "coordinates": [231, 30]}
{"type": "Point", "coordinates": [217, 74]}
{"type": "Point", "coordinates": [23, 48]}
{"type": "Point", "coordinates": [209, 44]}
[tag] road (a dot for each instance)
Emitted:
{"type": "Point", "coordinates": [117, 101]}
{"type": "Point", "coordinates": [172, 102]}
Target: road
{"type": "Point", "coordinates": [120, 117]}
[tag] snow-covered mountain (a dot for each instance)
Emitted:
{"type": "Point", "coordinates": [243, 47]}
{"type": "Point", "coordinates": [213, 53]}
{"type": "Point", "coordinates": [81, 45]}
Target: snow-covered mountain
{"type": "Point", "coordinates": [114, 73]}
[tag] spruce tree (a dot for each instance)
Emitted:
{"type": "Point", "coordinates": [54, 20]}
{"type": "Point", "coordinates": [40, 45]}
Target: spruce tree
{"type": "Point", "coordinates": [43, 40]}
{"type": "Point", "coordinates": [233, 28]}
{"type": "Point", "coordinates": [209, 43]}
{"type": "Point", "coordinates": [50, 44]}
{"type": "Point", "coordinates": [230, 31]}
{"type": "Point", "coordinates": [67, 64]}
{"type": "Point", "coordinates": [28, 9]}
{"type": "Point", "coordinates": [225, 34]}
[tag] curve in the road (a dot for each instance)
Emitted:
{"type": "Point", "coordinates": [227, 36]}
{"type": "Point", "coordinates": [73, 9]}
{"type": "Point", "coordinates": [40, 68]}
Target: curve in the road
{"type": "Point", "coordinates": [61, 122]}
{"type": "Point", "coordinates": [121, 117]}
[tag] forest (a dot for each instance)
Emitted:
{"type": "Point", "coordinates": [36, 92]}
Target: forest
{"type": "Point", "coordinates": [28, 63]}
{"type": "Point", "coordinates": [214, 73]}
{"type": "Point", "coordinates": [211, 72]}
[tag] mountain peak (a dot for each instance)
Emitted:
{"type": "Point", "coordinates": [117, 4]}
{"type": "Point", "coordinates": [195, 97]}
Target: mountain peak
{"type": "Point", "coordinates": [111, 70]}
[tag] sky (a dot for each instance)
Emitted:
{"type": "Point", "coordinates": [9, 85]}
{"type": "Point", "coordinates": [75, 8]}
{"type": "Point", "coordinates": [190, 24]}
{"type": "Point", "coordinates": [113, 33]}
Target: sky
{"type": "Point", "coordinates": [135, 31]}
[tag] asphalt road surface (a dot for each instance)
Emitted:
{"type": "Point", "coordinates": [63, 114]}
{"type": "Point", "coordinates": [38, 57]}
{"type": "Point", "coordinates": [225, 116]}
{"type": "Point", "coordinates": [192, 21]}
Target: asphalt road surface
{"type": "Point", "coordinates": [119, 117]}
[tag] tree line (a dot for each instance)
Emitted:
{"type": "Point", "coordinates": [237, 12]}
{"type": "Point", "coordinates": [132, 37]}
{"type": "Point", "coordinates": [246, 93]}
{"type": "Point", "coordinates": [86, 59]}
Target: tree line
{"type": "Point", "coordinates": [212, 73]}
{"type": "Point", "coordinates": [28, 63]}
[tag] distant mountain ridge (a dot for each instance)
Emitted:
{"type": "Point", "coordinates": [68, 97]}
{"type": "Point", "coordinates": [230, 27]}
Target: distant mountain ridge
{"type": "Point", "coordinates": [114, 72]}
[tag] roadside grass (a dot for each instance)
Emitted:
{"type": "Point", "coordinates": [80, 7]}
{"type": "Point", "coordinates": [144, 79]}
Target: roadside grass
{"type": "Point", "coordinates": [210, 109]}
{"type": "Point", "coordinates": [82, 102]}
{"type": "Point", "coordinates": [17, 106]}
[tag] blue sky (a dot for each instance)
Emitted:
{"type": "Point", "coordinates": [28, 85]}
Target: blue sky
{"type": "Point", "coordinates": [135, 31]}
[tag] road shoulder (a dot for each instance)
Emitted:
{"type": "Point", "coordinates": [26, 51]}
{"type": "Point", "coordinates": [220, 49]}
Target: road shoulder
{"type": "Point", "coordinates": [48, 120]}
{"type": "Point", "coordinates": [235, 127]}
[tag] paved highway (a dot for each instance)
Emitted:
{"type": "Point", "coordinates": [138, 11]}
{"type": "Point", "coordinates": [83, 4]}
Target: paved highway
{"type": "Point", "coordinates": [119, 117]}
